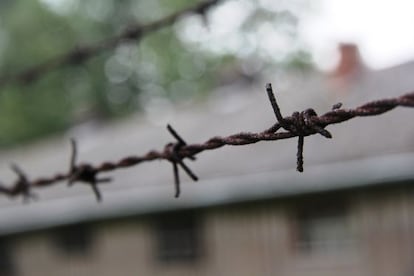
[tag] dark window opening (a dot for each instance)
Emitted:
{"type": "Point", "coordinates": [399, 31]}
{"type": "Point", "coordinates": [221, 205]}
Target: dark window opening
{"type": "Point", "coordinates": [7, 261]}
{"type": "Point", "coordinates": [323, 229]}
{"type": "Point", "coordinates": [74, 239]}
{"type": "Point", "coordinates": [178, 238]}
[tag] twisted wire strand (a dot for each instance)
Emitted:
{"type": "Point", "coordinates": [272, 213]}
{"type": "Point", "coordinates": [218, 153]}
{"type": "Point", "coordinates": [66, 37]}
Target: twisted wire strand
{"type": "Point", "coordinates": [299, 125]}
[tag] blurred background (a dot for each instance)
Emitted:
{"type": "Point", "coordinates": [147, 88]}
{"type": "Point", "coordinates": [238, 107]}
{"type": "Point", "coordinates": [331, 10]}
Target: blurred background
{"type": "Point", "coordinates": [251, 213]}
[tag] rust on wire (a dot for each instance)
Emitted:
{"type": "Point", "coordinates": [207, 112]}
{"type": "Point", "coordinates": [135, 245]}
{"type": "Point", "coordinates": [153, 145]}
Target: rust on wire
{"type": "Point", "coordinates": [299, 124]}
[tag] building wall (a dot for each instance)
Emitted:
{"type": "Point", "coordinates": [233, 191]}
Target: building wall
{"type": "Point", "coordinates": [386, 225]}
{"type": "Point", "coordinates": [268, 238]}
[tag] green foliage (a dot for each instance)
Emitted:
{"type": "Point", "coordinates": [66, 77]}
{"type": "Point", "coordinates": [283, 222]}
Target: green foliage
{"type": "Point", "coordinates": [110, 85]}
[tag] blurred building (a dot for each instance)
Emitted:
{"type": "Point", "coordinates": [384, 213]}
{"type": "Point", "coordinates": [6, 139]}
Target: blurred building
{"type": "Point", "coordinates": [350, 213]}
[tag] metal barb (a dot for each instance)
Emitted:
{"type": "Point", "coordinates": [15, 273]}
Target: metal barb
{"type": "Point", "coordinates": [175, 135]}
{"type": "Point", "coordinates": [19, 172]}
{"type": "Point", "coordinates": [85, 173]}
{"type": "Point", "coordinates": [185, 167]}
{"type": "Point", "coordinates": [96, 191]}
{"type": "Point", "coordinates": [22, 185]}
{"type": "Point", "coordinates": [176, 180]}
{"type": "Point", "coordinates": [73, 155]}
{"type": "Point", "coordinates": [308, 116]}
{"type": "Point", "coordinates": [300, 124]}
{"type": "Point", "coordinates": [275, 106]}
{"type": "Point", "coordinates": [173, 155]}
{"type": "Point", "coordinates": [299, 155]}
{"type": "Point", "coordinates": [179, 139]}
{"type": "Point", "coordinates": [295, 125]}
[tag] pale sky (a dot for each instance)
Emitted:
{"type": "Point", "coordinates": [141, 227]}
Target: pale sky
{"type": "Point", "coordinates": [383, 29]}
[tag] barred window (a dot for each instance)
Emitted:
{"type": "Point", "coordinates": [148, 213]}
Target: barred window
{"type": "Point", "coordinates": [178, 238]}
{"type": "Point", "coordinates": [74, 239]}
{"type": "Point", "coordinates": [324, 229]}
{"type": "Point", "coordinates": [7, 261]}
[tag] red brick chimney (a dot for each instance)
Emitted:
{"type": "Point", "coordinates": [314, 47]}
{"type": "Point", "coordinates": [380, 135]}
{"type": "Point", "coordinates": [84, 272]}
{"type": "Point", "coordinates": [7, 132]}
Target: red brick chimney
{"type": "Point", "coordinates": [350, 62]}
{"type": "Point", "coordinates": [349, 68]}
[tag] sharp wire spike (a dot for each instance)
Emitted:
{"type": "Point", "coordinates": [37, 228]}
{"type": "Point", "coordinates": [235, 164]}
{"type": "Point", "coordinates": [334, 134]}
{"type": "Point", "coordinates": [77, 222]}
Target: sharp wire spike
{"type": "Point", "coordinates": [84, 173]}
{"type": "Point", "coordinates": [73, 155]}
{"type": "Point", "coordinates": [300, 154]}
{"type": "Point", "coordinates": [18, 171]}
{"type": "Point", "coordinates": [177, 160]}
{"type": "Point", "coordinates": [187, 170]}
{"type": "Point", "coordinates": [175, 135]}
{"type": "Point", "coordinates": [176, 180]}
{"type": "Point", "coordinates": [275, 106]}
{"type": "Point", "coordinates": [96, 191]}
{"type": "Point", "coordinates": [23, 184]}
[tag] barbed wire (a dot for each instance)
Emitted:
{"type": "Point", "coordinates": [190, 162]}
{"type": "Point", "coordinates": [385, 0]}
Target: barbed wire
{"type": "Point", "coordinates": [81, 53]}
{"type": "Point", "coordinates": [299, 124]}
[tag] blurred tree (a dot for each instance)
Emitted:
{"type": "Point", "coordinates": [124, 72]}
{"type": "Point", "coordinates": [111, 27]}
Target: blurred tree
{"type": "Point", "coordinates": [177, 63]}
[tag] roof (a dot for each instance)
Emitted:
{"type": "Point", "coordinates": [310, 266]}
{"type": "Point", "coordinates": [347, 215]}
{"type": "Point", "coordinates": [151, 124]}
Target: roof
{"type": "Point", "coordinates": [364, 151]}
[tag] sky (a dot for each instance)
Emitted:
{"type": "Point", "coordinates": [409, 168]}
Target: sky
{"type": "Point", "coordinates": [383, 30]}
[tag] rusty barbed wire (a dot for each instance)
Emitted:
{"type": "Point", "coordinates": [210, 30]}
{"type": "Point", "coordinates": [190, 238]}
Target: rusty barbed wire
{"type": "Point", "coordinates": [81, 53]}
{"type": "Point", "coordinates": [299, 124]}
